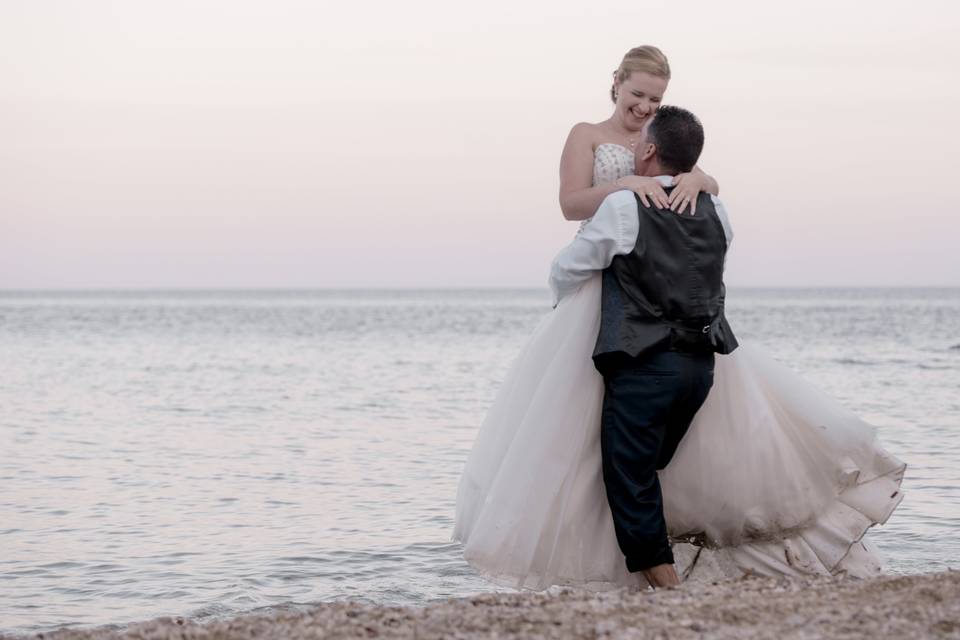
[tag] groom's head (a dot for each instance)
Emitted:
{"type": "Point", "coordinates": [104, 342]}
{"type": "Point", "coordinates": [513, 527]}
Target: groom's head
{"type": "Point", "coordinates": [673, 140]}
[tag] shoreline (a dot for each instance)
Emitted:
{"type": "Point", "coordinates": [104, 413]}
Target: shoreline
{"type": "Point", "coordinates": [921, 605]}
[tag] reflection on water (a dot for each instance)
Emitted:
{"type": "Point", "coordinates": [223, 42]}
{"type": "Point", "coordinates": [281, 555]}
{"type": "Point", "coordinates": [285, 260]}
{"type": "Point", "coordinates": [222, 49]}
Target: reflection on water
{"type": "Point", "coordinates": [203, 453]}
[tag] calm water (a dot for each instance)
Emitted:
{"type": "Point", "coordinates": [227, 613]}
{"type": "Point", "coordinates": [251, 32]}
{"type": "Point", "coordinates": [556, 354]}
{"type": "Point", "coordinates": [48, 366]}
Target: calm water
{"type": "Point", "coordinates": [204, 453]}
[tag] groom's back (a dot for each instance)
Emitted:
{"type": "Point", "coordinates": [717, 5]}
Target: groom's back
{"type": "Point", "coordinates": [668, 292]}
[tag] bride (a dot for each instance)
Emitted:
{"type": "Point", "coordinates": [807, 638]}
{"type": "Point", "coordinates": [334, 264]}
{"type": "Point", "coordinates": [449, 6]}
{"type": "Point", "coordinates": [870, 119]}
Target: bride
{"type": "Point", "coordinates": [772, 477]}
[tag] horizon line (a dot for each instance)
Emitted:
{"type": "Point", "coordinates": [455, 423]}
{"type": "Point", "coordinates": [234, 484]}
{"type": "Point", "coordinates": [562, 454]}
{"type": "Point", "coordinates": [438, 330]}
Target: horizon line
{"type": "Point", "coordinates": [280, 288]}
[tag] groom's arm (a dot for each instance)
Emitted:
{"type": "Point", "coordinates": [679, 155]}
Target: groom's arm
{"type": "Point", "coordinates": [724, 218]}
{"type": "Point", "coordinates": [612, 232]}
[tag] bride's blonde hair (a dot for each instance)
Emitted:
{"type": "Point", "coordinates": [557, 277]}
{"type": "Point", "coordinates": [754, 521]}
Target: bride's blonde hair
{"type": "Point", "coordinates": [646, 58]}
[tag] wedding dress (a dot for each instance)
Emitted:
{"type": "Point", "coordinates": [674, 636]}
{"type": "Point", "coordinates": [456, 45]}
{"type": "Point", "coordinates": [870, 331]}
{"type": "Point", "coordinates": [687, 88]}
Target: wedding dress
{"type": "Point", "coordinates": [773, 477]}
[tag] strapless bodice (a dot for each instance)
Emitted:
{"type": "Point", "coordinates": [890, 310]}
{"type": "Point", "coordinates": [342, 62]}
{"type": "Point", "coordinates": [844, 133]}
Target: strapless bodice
{"type": "Point", "coordinates": [611, 161]}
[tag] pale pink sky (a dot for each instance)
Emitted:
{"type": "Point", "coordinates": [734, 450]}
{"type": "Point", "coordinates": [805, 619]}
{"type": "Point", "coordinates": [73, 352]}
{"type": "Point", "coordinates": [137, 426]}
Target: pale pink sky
{"type": "Point", "coordinates": [302, 144]}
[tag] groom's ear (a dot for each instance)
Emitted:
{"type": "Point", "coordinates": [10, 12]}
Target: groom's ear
{"type": "Point", "coordinates": [649, 151]}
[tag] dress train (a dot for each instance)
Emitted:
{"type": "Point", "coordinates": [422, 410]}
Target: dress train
{"type": "Point", "coordinates": [773, 477]}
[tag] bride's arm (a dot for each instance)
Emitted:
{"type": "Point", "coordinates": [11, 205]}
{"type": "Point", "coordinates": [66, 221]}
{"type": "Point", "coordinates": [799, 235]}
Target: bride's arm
{"type": "Point", "coordinates": [578, 198]}
{"type": "Point", "coordinates": [710, 185]}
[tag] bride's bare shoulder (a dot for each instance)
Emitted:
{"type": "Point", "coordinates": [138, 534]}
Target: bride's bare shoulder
{"type": "Point", "coordinates": [585, 135]}
{"type": "Point", "coordinates": [585, 130]}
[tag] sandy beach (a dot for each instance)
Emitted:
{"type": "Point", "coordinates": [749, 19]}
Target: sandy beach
{"type": "Point", "coordinates": [917, 606]}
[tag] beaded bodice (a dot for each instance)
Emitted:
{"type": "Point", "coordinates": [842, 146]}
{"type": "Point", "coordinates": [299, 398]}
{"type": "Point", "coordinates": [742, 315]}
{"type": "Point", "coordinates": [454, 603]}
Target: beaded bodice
{"type": "Point", "coordinates": [611, 161]}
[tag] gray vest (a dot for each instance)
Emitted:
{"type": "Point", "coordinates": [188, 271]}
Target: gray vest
{"type": "Point", "coordinates": [668, 292]}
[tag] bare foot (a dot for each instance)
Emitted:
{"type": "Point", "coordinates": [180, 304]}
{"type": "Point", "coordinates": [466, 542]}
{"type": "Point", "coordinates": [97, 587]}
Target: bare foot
{"type": "Point", "coordinates": [662, 575]}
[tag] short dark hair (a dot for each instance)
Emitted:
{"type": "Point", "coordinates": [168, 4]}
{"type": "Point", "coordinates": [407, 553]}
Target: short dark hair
{"type": "Point", "coordinates": [678, 136]}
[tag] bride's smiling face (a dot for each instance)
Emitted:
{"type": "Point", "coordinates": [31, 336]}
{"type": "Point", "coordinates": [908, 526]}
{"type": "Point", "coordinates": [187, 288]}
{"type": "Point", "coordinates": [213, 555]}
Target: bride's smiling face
{"type": "Point", "coordinates": [638, 98]}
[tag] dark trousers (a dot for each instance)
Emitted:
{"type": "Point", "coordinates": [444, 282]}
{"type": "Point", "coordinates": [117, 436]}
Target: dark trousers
{"type": "Point", "coordinates": [648, 405]}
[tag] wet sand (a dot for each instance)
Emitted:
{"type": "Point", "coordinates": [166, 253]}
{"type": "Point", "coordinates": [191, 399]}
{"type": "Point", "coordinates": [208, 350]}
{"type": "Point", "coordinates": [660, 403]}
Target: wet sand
{"type": "Point", "coordinates": [917, 606]}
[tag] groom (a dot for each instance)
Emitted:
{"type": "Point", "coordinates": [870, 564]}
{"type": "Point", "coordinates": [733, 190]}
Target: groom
{"type": "Point", "coordinates": [661, 323]}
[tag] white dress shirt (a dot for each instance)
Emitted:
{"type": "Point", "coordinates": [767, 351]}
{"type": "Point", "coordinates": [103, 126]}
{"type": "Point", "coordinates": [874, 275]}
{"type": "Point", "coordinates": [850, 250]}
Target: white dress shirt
{"type": "Point", "coordinates": [611, 232]}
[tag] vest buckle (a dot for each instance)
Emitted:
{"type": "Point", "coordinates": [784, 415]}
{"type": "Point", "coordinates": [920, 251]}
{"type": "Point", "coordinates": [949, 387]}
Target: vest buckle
{"type": "Point", "coordinates": [706, 329]}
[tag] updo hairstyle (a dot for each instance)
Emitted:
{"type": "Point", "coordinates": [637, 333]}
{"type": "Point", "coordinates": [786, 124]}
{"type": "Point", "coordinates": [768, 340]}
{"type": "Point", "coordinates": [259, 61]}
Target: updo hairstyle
{"type": "Point", "coordinates": [646, 58]}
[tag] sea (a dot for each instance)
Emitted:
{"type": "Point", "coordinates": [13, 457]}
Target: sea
{"type": "Point", "coordinates": [206, 453]}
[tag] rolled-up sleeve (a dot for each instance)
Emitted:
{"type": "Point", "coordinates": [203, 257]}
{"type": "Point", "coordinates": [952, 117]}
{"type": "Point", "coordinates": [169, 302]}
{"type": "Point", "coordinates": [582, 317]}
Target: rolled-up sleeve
{"type": "Point", "coordinates": [611, 232]}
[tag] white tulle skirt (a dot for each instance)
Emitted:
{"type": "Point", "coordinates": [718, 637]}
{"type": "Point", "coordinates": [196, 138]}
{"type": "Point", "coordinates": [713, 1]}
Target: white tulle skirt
{"type": "Point", "coordinates": [773, 477]}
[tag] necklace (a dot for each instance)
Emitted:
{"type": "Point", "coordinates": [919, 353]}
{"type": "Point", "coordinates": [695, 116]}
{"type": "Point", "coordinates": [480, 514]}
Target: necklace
{"type": "Point", "coordinates": [631, 142]}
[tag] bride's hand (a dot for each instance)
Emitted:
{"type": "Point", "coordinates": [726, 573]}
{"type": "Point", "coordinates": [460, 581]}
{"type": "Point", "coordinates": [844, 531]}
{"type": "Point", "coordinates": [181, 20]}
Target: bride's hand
{"type": "Point", "coordinates": [648, 189]}
{"type": "Point", "coordinates": [686, 187]}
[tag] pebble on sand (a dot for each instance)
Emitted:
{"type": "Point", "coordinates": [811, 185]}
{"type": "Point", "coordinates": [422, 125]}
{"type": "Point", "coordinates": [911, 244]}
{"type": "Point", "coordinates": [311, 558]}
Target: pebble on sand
{"type": "Point", "coordinates": [915, 606]}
